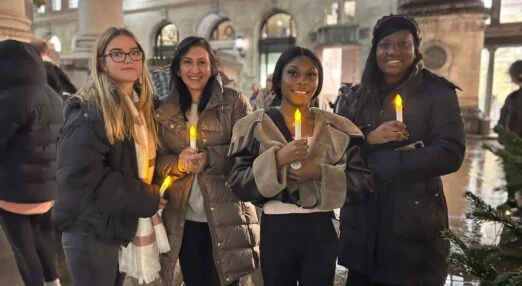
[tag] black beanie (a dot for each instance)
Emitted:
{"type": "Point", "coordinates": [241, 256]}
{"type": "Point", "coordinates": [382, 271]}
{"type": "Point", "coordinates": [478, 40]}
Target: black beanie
{"type": "Point", "coordinates": [388, 25]}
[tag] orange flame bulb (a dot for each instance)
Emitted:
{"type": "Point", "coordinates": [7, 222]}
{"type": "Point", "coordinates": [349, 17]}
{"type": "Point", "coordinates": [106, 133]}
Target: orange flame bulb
{"type": "Point", "coordinates": [398, 102]}
{"type": "Point", "coordinates": [297, 116]}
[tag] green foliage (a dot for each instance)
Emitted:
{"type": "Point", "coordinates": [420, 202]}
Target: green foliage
{"type": "Point", "coordinates": [498, 265]}
{"type": "Point", "coordinates": [510, 152]}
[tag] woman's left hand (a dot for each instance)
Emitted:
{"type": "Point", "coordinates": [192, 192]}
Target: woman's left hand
{"type": "Point", "coordinates": [309, 171]}
{"type": "Point", "coordinates": [199, 162]}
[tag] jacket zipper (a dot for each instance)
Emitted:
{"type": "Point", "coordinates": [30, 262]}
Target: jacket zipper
{"type": "Point", "coordinates": [208, 210]}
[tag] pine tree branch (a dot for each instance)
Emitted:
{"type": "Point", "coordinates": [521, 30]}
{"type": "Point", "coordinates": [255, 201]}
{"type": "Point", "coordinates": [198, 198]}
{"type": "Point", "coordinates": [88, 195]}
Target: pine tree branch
{"type": "Point", "coordinates": [481, 212]}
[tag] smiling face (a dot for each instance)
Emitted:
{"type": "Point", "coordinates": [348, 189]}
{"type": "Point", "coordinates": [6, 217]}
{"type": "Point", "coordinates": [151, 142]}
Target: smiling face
{"type": "Point", "coordinates": [195, 70]}
{"type": "Point", "coordinates": [395, 55]}
{"type": "Point", "coordinates": [299, 81]}
{"type": "Point", "coordinates": [131, 68]}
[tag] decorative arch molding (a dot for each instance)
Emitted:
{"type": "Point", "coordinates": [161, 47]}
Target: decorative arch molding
{"type": "Point", "coordinates": [165, 39]}
{"type": "Point", "coordinates": [269, 13]}
{"type": "Point", "coordinates": [208, 23]}
{"type": "Point", "coordinates": [156, 28]}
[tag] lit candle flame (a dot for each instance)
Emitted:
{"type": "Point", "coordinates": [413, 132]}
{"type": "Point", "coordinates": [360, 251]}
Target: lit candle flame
{"type": "Point", "coordinates": [166, 184]}
{"type": "Point", "coordinates": [297, 116]}
{"type": "Point", "coordinates": [508, 213]}
{"type": "Point", "coordinates": [398, 102]}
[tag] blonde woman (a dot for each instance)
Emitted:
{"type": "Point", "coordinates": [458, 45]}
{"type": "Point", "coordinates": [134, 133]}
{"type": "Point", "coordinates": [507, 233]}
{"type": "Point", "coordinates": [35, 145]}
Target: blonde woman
{"type": "Point", "coordinates": [107, 134]}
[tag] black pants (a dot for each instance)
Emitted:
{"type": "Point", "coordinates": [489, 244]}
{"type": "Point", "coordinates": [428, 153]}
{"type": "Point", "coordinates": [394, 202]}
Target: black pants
{"type": "Point", "coordinates": [196, 257]}
{"type": "Point", "coordinates": [360, 279]}
{"type": "Point", "coordinates": [31, 238]}
{"type": "Point", "coordinates": [298, 247]}
{"type": "Point", "coordinates": [90, 261]}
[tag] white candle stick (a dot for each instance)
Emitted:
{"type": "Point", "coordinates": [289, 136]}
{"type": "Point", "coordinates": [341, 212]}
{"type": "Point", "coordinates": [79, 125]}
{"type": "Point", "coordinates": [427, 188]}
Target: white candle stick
{"type": "Point", "coordinates": [193, 137]}
{"type": "Point", "coordinates": [398, 108]}
{"type": "Point", "coordinates": [297, 135]}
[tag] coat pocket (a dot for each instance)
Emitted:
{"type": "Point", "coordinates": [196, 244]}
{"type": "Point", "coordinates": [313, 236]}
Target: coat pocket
{"type": "Point", "coordinates": [418, 218]}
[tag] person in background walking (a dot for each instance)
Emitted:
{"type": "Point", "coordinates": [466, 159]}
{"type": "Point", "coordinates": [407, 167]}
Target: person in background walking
{"type": "Point", "coordinates": [56, 77]}
{"type": "Point", "coordinates": [214, 235]}
{"type": "Point", "coordinates": [298, 240]}
{"type": "Point", "coordinates": [108, 128]}
{"type": "Point", "coordinates": [394, 237]}
{"type": "Point", "coordinates": [266, 95]}
{"type": "Point", "coordinates": [253, 97]}
{"type": "Point", "coordinates": [511, 112]}
{"type": "Point", "coordinates": [30, 116]}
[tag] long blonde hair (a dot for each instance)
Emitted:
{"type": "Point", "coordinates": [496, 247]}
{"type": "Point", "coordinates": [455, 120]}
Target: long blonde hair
{"type": "Point", "coordinates": [101, 89]}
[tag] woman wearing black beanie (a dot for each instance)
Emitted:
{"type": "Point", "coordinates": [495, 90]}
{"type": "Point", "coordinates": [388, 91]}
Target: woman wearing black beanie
{"type": "Point", "coordinates": [394, 236]}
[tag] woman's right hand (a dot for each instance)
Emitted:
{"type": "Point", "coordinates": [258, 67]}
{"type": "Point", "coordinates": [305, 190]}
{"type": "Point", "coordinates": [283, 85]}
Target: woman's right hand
{"type": "Point", "coordinates": [387, 132]}
{"type": "Point", "coordinates": [296, 150]}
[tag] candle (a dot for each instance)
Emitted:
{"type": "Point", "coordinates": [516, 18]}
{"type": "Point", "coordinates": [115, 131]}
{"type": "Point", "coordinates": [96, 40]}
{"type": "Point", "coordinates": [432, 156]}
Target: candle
{"type": "Point", "coordinates": [193, 137]}
{"type": "Point", "coordinates": [398, 107]}
{"type": "Point", "coordinates": [165, 185]}
{"type": "Point", "coordinates": [297, 125]}
{"type": "Point", "coordinates": [297, 135]}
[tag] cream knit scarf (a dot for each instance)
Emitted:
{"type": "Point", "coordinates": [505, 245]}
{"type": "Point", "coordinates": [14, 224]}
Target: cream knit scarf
{"type": "Point", "coordinates": [140, 259]}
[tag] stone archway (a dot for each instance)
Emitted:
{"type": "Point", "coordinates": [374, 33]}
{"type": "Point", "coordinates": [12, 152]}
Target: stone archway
{"type": "Point", "coordinates": [278, 33]}
{"type": "Point", "coordinates": [208, 23]}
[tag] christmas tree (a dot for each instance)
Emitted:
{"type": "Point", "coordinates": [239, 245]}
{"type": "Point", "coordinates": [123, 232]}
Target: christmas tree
{"type": "Point", "coordinates": [499, 264]}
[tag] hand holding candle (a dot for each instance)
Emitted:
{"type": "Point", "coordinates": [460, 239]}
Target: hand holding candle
{"type": "Point", "coordinates": [297, 135]}
{"type": "Point", "coordinates": [398, 107]}
{"type": "Point", "coordinates": [193, 137]}
{"type": "Point", "coordinates": [166, 184]}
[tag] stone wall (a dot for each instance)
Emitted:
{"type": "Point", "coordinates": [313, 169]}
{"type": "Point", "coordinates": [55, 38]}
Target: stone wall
{"type": "Point", "coordinates": [461, 37]}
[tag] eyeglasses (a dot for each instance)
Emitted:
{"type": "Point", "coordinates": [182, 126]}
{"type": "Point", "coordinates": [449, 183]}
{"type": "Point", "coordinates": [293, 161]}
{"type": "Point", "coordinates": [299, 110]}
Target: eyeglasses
{"type": "Point", "coordinates": [120, 56]}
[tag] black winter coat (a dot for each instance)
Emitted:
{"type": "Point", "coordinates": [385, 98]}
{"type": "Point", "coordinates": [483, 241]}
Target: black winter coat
{"type": "Point", "coordinates": [511, 112]}
{"type": "Point", "coordinates": [30, 116]}
{"type": "Point", "coordinates": [98, 187]}
{"type": "Point", "coordinates": [395, 236]}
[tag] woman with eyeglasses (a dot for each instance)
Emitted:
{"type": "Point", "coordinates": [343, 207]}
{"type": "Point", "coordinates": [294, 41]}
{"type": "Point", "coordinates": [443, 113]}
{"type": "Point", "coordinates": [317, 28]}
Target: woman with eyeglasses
{"type": "Point", "coordinates": [214, 234]}
{"type": "Point", "coordinates": [106, 154]}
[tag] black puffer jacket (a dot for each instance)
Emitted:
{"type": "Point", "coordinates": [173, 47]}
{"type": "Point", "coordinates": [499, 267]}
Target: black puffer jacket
{"type": "Point", "coordinates": [30, 116]}
{"type": "Point", "coordinates": [394, 236]}
{"type": "Point", "coordinates": [98, 187]}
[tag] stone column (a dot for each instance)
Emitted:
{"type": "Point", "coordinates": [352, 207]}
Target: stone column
{"type": "Point", "coordinates": [94, 16]}
{"type": "Point", "coordinates": [452, 42]}
{"type": "Point", "coordinates": [14, 23]}
{"type": "Point", "coordinates": [495, 12]}
{"type": "Point", "coordinates": [489, 84]}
